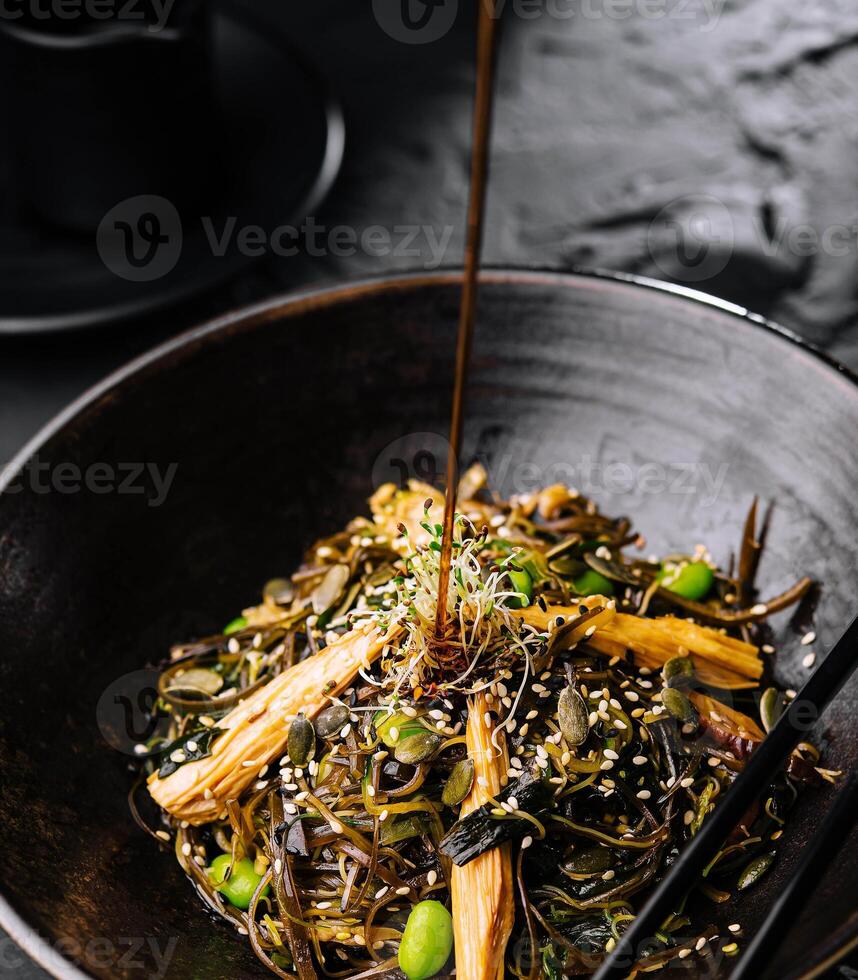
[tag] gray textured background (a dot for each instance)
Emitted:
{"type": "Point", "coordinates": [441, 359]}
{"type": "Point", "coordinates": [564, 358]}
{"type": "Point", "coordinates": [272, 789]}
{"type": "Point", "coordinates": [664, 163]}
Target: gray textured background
{"type": "Point", "coordinates": [709, 143]}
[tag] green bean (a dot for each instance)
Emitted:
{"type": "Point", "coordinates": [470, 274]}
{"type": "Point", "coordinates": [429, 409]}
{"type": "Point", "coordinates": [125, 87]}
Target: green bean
{"type": "Point", "coordinates": [239, 887]}
{"type": "Point", "coordinates": [692, 580]}
{"type": "Point", "coordinates": [427, 941]}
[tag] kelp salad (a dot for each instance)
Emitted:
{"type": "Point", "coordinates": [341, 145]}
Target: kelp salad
{"type": "Point", "coordinates": [359, 799]}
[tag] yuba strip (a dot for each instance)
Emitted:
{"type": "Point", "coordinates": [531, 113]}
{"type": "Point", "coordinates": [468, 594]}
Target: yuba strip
{"type": "Point", "coordinates": [255, 731]}
{"type": "Point", "coordinates": [482, 890]}
{"type": "Point", "coordinates": [719, 660]}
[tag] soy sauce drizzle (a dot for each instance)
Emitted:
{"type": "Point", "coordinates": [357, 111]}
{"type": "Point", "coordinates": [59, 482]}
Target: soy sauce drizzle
{"type": "Point", "coordinates": [486, 36]}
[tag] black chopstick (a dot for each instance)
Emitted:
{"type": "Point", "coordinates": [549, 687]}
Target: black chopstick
{"type": "Point", "coordinates": [800, 715]}
{"type": "Point", "coordinates": [815, 858]}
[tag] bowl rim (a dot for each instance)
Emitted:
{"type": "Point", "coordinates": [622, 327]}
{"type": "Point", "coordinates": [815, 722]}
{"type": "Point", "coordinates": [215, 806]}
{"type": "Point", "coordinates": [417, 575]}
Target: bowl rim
{"type": "Point", "coordinates": [298, 302]}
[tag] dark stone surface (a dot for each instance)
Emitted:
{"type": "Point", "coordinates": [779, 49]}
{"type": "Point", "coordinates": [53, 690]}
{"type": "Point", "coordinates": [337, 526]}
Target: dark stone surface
{"type": "Point", "coordinates": [714, 145]}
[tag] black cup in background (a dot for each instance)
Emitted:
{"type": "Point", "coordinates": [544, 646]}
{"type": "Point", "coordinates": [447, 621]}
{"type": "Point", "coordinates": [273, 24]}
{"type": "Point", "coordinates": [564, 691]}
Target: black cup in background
{"type": "Point", "coordinates": [103, 110]}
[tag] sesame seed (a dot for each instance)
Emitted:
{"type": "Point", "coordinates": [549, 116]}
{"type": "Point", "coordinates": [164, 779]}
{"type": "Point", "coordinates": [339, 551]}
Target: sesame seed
{"type": "Point", "coordinates": [688, 817]}
{"type": "Point", "coordinates": [644, 794]}
{"type": "Point", "coordinates": [393, 732]}
{"type": "Point", "coordinates": [323, 905]}
{"type": "Point", "coordinates": [701, 942]}
{"type": "Point", "coordinates": [606, 765]}
{"type": "Point", "coordinates": [162, 834]}
{"type": "Point", "coordinates": [631, 695]}
{"type": "Point", "coordinates": [207, 793]}
{"type": "Point", "coordinates": [685, 783]}
{"type": "Point", "coordinates": [609, 875]}
{"type": "Point", "coordinates": [432, 877]}
{"type": "Point", "coordinates": [808, 638]}
{"type": "Point", "coordinates": [336, 826]}
{"type": "Point", "coordinates": [767, 648]}
{"type": "Point", "coordinates": [383, 816]}
{"type": "Point", "coordinates": [513, 802]}
{"type": "Point", "coordinates": [404, 890]}
{"type": "Point", "coordinates": [713, 761]}
{"type": "Point", "coordinates": [809, 660]}
{"type": "Point", "coordinates": [683, 953]}
{"type": "Point", "coordinates": [526, 842]}
{"type": "Point", "coordinates": [735, 927]}
{"type": "Point", "coordinates": [382, 891]}
{"type": "Point", "coordinates": [408, 711]}
{"type": "Point", "coordinates": [760, 609]}
{"type": "Point", "coordinates": [640, 760]}
{"type": "Point", "coordinates": [186, 849]}
{"type": "Point", "coordinates": [610, 754]}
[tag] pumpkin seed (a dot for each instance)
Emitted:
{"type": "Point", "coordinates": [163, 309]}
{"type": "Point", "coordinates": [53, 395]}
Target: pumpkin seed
{"type": "Point", "coordinates": [567, 567]}
{"type": "Point", "coordinates": [459, 783]}
{"type": "Point", "coordinates": [198, 680]}
{"type": "Point", "coordinates": [771, 708]}
{"type": "Point", "coordinates": [755, 870]}
{"type": "Point", "coordinates": [416, 748]}
{"type": "Point", "coordinates": [331, 720]}
{"type": "Point", "coordinates": [590, 861]}
{"type": "Point", "coordinates": [611, 570]}
{"type": "Point", "coordinates": [567, 544]}
{"type": "Point", "coordinates": [679, 706]}
{"type": "Point", "coordinates": [572, 715]}
{"type": "Point", "coordinates": [678, 671]}
{"type": "Point", "coordinates": [301, 741]}
{"type": "Point", "coordinates": [279, 590]}
{"type": "Point", "coordinates": [330, 588]}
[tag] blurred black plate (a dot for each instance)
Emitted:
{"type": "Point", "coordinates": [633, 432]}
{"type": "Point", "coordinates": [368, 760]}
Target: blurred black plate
{"type": "Point", "coordinates": [284, 135]}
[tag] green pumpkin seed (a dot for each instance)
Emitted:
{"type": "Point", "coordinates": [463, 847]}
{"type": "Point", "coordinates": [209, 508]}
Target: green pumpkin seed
{"type": "Point", "coordinates": [756, 869]}
{"type": "Point", "coordinates": [567, 544]}
{"type": "Point", "coordinates": [301, 741]}
{"type": "Point", "coordinates": [330, 721]}
{"type": "Point", "coordinates": [771, 708]}
{"type": "Point", "coordinates": [611, 570]}
{"type": "Point", "coordinates": [567, 567]}
{"type": "Point", "coordinates": [329, 590]}
{"type": "Point", "coordinates": [590, 861]}
{"type": "Point", "coordinates": [679, 706]}
{"type": "Point", "coordinates": [572, 715]}
{"type": "Point", "coordinates": [197, 680]}
{"type": "Point", "coordinates": [279, 590]}
{"type": "Point", "coordinates": [416, 748]}
{"type": "Point", "coordinates": [678, 671]}
{"type": "Point", "coordinates": [459, 783]}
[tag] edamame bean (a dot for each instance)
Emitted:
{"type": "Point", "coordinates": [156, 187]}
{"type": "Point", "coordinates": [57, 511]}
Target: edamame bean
{"type": "Point", "coordinates": [241, 884]}
{"type": "Point", "coordinates": [427, 940]}
{"type": "Point", "coordinates": [235, 625]}
{"type": "Point", "coordinates": [692, 580]}
{"type": "Point", "coordinates": [523, 583]}
{"type": "Point", "coordinates": [592, 583]}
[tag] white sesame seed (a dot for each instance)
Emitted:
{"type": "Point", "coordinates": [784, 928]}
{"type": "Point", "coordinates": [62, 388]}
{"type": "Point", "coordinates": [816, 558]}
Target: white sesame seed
{"type": "Point", "coordinates": [735, 927]}
{"type": "Point", "coordinates": [610, 754]}
{"type": "Point", "coordinates": [323, 905]}
{"type": "Point", "coordinates": [408, 711]}
{"type": "Point", "coordinates": [336, 826]}
{"type": "Point", "coordinates": [404, 890]}
{"type": "Point", "coordinates": [644, 794]}
{"type": "Point", "coordinates": [432, 877]}
{"type": "Point", "coordinates": [207, 793]}
{"type": "Point", "coordinates": [760, 609]}
{"type": "Point", "coordinates": [513, 802]}
{"type": "Point", "coordinates": [808, 638]}
{"type": "Point", "coordinates": [526, 842]}
{"type": "Point", "coordinates": [191, 746]}
{"type": "Point", "coordinates": [606, 765]}
{"type": "Point", "coordinates": [383, 816]}
{"type": "Point", "coordinates": [688, 817]}
{"type": "Point", "coordinates": [631, 695]}
{"type": "Point", "coordinates": [767, 648]}
{"type": "Point", "coordinates": [162, 834]}
{"type": "Point", "coordinates": [809, 660]}
{"type": "Point", "coordinates": [382, 891]}
{"type": "Point", "coordinates": [640, 760]}
{"type": "Point", "coordinates": [186, 849]}
{"type": "Point", "coordinates": [683, 953]}
{"type": "Point", "coordinates": [685, 783]}
{"type": "Point", "coordinates": [701, 942]}
{"type": "Point", "coordinates": [609, 875]}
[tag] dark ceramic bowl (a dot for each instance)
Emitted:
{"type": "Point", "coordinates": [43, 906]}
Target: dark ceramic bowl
{"type": "Point", "coordinates": [665, 405]}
